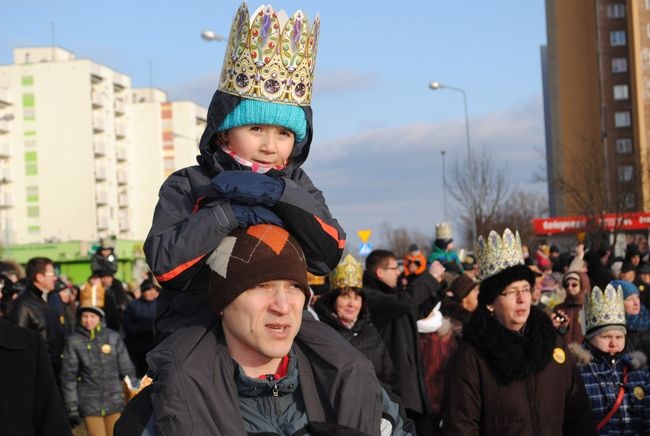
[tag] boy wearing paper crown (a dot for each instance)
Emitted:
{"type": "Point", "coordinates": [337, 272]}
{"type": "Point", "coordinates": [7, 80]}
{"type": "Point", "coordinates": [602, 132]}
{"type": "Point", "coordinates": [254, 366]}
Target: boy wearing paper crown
{"type": "Point", "coordinates": [260, 368]}
{"type": "Point", "coordinates": [258, 134]}
{"type": "Point", "coordinates": [617, 382]}
{"type": "Point", "coordinates": [95, 361]}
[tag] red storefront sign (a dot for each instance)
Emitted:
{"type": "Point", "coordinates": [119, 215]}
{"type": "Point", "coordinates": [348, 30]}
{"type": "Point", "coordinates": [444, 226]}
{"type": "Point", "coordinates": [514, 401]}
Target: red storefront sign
{"type": "Point", "coordinates": [576, 224]}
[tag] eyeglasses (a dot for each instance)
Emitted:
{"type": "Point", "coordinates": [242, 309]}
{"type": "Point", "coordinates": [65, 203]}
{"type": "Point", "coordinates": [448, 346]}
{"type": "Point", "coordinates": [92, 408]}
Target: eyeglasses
{"type": "Point", "coordinates": [516, 292]}
{"type": "Point", "coordinates": [394, 268]}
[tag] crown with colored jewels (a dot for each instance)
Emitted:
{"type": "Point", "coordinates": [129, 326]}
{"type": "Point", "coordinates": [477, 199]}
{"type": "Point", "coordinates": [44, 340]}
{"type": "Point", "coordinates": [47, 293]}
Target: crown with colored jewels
{"type": "Point", "coordinates": [497, 253]}
{"type": "Point", "coordinates": [604, 307]}
{"type": "Point", "coordinates": [270, 57]}
{"type": "Point", "coordinates": [349, 274]}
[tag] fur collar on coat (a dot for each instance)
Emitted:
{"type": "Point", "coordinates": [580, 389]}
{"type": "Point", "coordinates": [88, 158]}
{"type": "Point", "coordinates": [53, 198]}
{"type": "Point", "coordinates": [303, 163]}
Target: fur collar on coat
{"type": "Point", "coordinates": [510, 355]}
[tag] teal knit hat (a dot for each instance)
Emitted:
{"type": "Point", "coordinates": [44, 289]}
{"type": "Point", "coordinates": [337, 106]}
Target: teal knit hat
{"type": "Point", "coordinates": [263, 112]}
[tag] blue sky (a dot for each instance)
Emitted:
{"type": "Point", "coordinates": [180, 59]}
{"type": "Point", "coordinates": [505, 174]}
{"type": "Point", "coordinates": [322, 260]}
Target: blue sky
{"type": "Point", "coordinates": [379, 130]}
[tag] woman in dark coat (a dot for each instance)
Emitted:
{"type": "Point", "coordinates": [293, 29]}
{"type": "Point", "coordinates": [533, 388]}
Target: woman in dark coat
{"type": "Point", "coordinates": [512, 375]}
{"type": "Point", "coordinates": [577, 286]}
{"type": "Point", "coordinates": [344, 309]}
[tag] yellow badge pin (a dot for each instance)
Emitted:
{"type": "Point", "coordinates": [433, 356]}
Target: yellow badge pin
{"type": "Point", "coordinates": [106, 348]}
{"type": "Point", "coordinates": [639, 393]}
{"type": "Point", "coordinates": [558, 355]}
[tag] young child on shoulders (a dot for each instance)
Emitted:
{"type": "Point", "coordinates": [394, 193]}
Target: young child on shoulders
{"type": "Point", "coordinates": [258, 134]}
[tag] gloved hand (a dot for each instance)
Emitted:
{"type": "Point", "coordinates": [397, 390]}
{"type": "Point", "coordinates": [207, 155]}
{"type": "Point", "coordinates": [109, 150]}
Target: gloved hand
{"type": "Point", "coordinates": [248, 188]}
{"type": "Point", "coordinates": [251, 215]}
{"type": "Point", "coordinates": [74, 419]}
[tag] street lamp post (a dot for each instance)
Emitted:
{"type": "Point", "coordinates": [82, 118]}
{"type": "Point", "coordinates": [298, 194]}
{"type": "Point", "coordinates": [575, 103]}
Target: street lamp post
{"type": "Point", "coordinates": [444, 184]}
{"type": "Point", "coordinates": [435, 86]}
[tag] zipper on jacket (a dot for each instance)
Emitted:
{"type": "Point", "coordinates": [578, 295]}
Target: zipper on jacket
{"type": "Point", "coordinates": [274, 388]}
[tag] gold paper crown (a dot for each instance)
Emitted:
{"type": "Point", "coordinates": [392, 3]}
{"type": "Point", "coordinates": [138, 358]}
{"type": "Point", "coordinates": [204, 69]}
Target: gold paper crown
{"type": "Point", "coordinates": [443, 231]}
{"type": "Point", "coordinates": [496, 253]}
{"type": "Point", "coordinates": [270, 57]}
{"type": "Point", "coordinates": [604, 307]}
{"type": "Point", "coordinates": [91, 295]}
{"type": "Point", "coordinates": [349, 274]}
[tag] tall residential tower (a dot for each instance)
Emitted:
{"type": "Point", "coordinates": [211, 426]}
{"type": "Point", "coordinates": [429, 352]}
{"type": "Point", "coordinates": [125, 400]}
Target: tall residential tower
{"type": "Point", "coordinates": [597, 104]}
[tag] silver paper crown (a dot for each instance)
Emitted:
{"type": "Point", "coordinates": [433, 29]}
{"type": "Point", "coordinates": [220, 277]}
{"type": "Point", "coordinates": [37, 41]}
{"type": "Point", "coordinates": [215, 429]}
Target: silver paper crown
{"type": "Point", "coordinates": [604, 307]}
{"type": "Point", "coordinates": [270, 56]}
{"type": "Point", "coordinates": [497, 253]}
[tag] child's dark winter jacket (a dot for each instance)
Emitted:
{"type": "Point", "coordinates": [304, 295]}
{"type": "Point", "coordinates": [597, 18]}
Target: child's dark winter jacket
{"type": "Point", "coordinates": [602, 375]}
{"type": "Point", "coordinates": [191, 219]}
{"type": "Point", "coordinates": [94, 363]}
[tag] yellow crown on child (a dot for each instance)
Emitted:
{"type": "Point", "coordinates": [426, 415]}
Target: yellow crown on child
{"type": "Point", "coordinates": [497, 253]}
{"type": "Point", "coordinates": [270, 57]}
{"type": "Point", "coordinates": [604, 308]}
{"type": "Point", "coordinates": [348, 274]}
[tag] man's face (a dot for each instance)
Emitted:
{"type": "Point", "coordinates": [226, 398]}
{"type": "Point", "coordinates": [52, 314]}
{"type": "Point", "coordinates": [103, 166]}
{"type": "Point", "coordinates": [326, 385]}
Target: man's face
{"type": "Point", "coordinates": [610, 341]}
{"type": "Point", "coordinates": [261, 323]}
{"type": "Point", "coordinates": [45, 281]}
{"type": "Point", "coordinates": [107, 281]}
{"type": "Point", "coordinates": [628, 276]}
{"type": "Point", "coordinates": [389, 273]}
{"type": "Point", "coordinates": [150, 294]}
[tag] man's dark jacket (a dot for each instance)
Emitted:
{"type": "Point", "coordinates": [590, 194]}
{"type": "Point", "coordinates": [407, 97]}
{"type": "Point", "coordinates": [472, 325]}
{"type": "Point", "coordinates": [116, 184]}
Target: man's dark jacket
{"type": "Point", "coordinates": [394, 312]}
{"type": "Point", "coordinates": [30, 402]}
{"type": "Point", "coordinates": [194, 389]}
{"type": "Point", "coordinates": [31, 311]}
{"type": "Point", "coordinates": [190, 221]}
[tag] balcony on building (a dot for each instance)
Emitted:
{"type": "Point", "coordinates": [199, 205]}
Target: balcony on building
{"type": "Point", "coordinates": [97, 100]}
{"type": "Point", "coordinates": [123, 200]}
{"type": "Point", "coordinates": [6, 175]}
{"type": "Point", "coordinates": [98, 124]}
{"type": "Point", "coordinates": [120, 82]}
{"type": "Point", "coordinates": [4, 126]}
{"type": "Point", "coordinates": [120, 130]}
{"type": "Point", "coordinates": [5, 99]}
{"type": "Point", "coordinates": [99, 147]}
{"type": "Point", "coordinates": [102, 222]}
{"type": "Point", "coordinates": [122, 178]}
{"type": "Point", "coordinates": [120, 154]}
{"type": "Point", "coordinates": [101, 198]}
{"type": "Point", "coordinates": [6, 201]}
{"type": "Point", "coordinates": [124, 225]}
{"type": "Point", "coordinates": [100, 173]}
{"type": "Point", "coordinates": [5, 150]}
{"type": "Point", "coordinates": [96, 75]}
{"type": "Point", "coordinates": [120, 107]}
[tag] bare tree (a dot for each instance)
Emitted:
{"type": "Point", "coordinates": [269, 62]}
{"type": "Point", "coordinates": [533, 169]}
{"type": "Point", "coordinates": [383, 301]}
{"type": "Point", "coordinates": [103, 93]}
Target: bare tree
{"type": "Point", "coordinates": [398, 240]}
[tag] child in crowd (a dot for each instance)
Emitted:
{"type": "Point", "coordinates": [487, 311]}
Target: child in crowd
{"type": "Point", "coordinates": [258, 134]}
{"type": "Point", "coordinates": [617, 382]}
{"type": "Point", "coordinates": [95, 362]}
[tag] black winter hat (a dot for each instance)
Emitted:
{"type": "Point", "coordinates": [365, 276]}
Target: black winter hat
{"type": "Point", "coordinates": [253, 255]}
{"type": "Point", "coordinates": [492, 286]}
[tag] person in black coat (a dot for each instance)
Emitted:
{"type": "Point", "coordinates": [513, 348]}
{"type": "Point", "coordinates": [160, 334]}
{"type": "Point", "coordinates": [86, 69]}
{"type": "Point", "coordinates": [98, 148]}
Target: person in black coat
{"type": "Point", "coordinates": [344, 309]}
{"type": "Point", "coordinates": [138, 325]}
{"type": "Point", "coordinates": [30, 402]}
{"type": "Point", "coordinates": [395, 312]}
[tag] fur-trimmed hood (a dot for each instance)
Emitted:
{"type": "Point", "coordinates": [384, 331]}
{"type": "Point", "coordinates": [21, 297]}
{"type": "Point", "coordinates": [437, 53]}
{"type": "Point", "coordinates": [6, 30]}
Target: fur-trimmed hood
{"type": "Point", "coordinates": [511, 355]}
{"type": "Point", "coordinates": [584, 355]}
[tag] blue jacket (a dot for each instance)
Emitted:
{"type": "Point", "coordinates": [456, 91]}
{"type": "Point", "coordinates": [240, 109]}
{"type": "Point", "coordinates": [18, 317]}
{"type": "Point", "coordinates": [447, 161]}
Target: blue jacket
{"type": "Point", "coordinates": [602, 375]}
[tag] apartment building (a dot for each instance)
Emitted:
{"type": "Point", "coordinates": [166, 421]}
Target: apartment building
{"type": "Point", "coordinates": [82, 153]}
{"type": "Point", "coordinates": [596, 71]}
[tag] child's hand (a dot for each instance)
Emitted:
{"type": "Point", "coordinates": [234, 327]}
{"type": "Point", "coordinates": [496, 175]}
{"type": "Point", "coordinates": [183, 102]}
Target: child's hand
{"type": "Point", "coordinates": [248, 188]}
{"type": "Point", "coordinates": [251, 215]}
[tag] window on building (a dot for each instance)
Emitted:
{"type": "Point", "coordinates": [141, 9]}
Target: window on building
{"type": "Point", "coordinates": [624, 145]}
{"type": "Point", "coordinates": [32, 194]}
{"type": "Point", "coordinates": [616, 10]}
{"type": "Point", "coordinates": [620, 92]}
{"type": "Point", "coordinates": [168, 163]}
{"type": "Point", "coordinates": [27, 80]}
{"type": "Point", "coordinates": [34, 230]}
{"type": "Point", "coordinates": [625, 173]}
{"type": "Point", "coordinates": [622, 119]}
{"type": "Point", "coordinates": [33, 212]}
{"type": "Point", "coordinates": [617, 38]}
{"type": "Point", "coordinates": [629, 201]}
{"type": "Point", "coordinates": [619, 65]}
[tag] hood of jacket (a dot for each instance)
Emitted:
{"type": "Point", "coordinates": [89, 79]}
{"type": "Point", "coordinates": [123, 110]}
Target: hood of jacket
{"type": "Point", "coordinates": [213, 160]}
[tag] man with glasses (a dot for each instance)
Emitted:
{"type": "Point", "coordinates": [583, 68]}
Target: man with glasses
{"type": "Point", "coordinates": [31, 309]}
{"type": "Point", "coordinates": [395, 313]}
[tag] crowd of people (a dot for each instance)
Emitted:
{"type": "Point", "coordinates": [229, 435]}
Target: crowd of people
{"type": "Point", "coordinates": [227, 336]}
